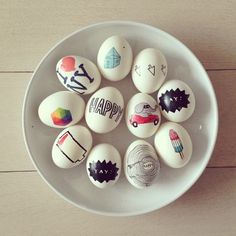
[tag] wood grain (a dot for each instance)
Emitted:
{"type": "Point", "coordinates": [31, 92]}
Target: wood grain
{"type": "Point", "coordinates": [30, 28]}
{"type": "Point", "coordinates": [13, 86]}
{"type": "Point", "coordinates": [29, 207]}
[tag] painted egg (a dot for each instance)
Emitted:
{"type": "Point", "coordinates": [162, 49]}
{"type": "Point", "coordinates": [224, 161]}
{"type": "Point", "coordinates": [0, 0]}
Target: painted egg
{"type": "Point", "coordinates": [71, 146]}
{"type": "Point", "coordinates": [103, 165]}
{"type": "Point", "coordinates": [61, 109]}
{"type": "Point", "coordinates": [78, 74]}
{"type": "Point", "coordinates": [176, 100]}
{"type": "Point", "coordinates": [115, 58]}
{"type": "Point", "coordinates": [104, 110]}
{"type": "Point", "coordinates": [141, 164]}
{"type": "Point", "coordinates": [173, 144]}
{"type": "Point", "coordinates": [149, 70]}
{"type": "Point", "coordinates": [142, 115]}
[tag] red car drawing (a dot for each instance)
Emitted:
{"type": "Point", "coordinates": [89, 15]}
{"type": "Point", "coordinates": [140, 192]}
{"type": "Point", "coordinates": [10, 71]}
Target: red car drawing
{"type": "Point", "coordinates": [136, 120]}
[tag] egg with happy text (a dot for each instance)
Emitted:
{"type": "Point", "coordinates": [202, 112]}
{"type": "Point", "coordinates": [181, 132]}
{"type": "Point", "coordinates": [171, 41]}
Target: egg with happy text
{"type": "Point", "coordinates": [61, 109]}
{"type": "Point", "coordinates": [142, 115]}
{"type": "Point", "coordinates": [103, 165]}
{"type": "Point", "coordinates": [78, 74]}
{"type": "Point", "coordinates": [71, 146]}
{"type": "Point", "coordinates": [104, 110]}
{"type": "Point", "coordinates": [141, 164]}
{"type": "Point", "coordinates": [173, 144]}
{"type": "Point", "coordinates": [149, 70]}
{"type": "Point", "coordinates": [115, 58]}
{"type": "Point", "coordinates": [176, 100]}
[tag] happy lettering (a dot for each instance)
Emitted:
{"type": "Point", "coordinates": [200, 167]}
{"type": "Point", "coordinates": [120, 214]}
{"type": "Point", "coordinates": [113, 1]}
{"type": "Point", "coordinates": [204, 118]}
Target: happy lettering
{"type": "Point", "coordinates": [105, 108]}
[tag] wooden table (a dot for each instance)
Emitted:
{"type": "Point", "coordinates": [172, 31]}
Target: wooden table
{"type": "Point", "coordinates": [28, 29]}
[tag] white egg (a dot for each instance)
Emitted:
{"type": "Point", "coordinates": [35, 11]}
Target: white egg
{"type": "Point", "coordinates": [176, 100]}
{"type": "Point", "coordinates": [149, 70]}
{"type": "Point", "coordinates": [141, 164]}
{"type": "Point", "coordinates": [103, 165]}
{"type": "Point", "coordinates": [71, 146]}
{"type": "Point", "coordinates": [104, 110]}
{"type": "Point", "coordinates": [61, 109]}
{"type": "Point", "coordinates": [142, 115]}
{"type": "Point", "coordinates": [173, 144]}
{"type": "Point", "coordinates": [115, 58]}
{"type": "Point", "coordinates": [78, 74]}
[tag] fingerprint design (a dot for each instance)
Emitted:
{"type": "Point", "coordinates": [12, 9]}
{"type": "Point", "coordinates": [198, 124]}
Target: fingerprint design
{"type": "Point", "coordinates": [142, 165]}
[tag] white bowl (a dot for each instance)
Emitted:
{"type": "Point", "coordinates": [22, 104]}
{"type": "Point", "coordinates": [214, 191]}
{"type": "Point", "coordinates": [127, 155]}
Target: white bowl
{"type": "Point", "coordinates": [122, 199]}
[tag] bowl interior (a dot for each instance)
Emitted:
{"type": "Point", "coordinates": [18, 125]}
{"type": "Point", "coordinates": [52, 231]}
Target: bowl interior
{"type": "Point", "coordinates": [122, 198]}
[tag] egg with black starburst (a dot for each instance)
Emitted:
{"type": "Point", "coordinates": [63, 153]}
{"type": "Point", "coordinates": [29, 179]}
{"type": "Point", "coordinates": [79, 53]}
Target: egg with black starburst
{"type": "Point", "coordinates": [103, 165]}
{"type": "Point", "coordinates": [176, 101]}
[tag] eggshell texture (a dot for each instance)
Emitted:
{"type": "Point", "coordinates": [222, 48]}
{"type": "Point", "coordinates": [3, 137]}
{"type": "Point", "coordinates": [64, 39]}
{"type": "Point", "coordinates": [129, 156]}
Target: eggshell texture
{"type": "Point", "coordinates": [142, 115]}
{"type": "Point", "coordinates": [104, 110]}
{"type": "Point", "coordinates": [78, 74]}
{"type": "Point", "coordinates": [176, 100]}
{"type": "Point", "coordinates": [173, 144]}
{"type": "Point", "coordinates": [141, 164]}
{"type": "Point", "coordinates": [71, 146]}
{"type": "Point", "coordinates": [149, 70]}
{"type": "Point", "coordinates": [61, 109]}
{"type": "Point", "coordinates": [103, 165]}
{"type": "Point", "coordinates": [115, 58]}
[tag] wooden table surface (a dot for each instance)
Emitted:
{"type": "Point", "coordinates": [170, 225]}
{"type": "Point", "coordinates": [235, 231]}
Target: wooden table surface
{"type": "Point", "coordinates": [28, 29]}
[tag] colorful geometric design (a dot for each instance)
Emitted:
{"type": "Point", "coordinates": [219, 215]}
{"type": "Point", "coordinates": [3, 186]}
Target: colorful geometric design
{"type": "Point", "coordinates": [61, 117]}
{"type": "Point", "coordinates": [112, 59]}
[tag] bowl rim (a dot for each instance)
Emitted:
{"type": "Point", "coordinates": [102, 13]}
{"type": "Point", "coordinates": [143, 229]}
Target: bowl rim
{"type": "Point", "coordinates": [138, 212]}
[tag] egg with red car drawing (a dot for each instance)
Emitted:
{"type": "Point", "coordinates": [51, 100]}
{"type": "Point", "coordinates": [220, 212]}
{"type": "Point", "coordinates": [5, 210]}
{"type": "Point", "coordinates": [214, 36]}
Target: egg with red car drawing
{"type": "Point", "coordinates": [115, 58]}
{"type": "Point", "coordinates": [142, 115]}
{"type": "Point", "coordinates": [104, 110]}
{"type": "Point", "coordinates": [71, 146]}
{"type": "Point", "coordinates": [173, 144]}
{"type": "Point", "coordinates": [103, 165]}
{"type": "Point", "coordinates": [61, 109]}
{"type": "Point", "coordinates": [176, 100]}
{"type": "Point", "coordinates": [78, 74]}
{"type": "Point", "coordinates": [149, 70]}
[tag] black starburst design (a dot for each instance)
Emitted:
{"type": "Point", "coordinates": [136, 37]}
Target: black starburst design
{"type": "Point", "coordinates": [173, 100]}
{"type": "Point", "coordinates": [103, 171]}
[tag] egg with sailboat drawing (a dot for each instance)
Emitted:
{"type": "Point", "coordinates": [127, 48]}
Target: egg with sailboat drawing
{"type": "Point", "coordinates": [173, 144]}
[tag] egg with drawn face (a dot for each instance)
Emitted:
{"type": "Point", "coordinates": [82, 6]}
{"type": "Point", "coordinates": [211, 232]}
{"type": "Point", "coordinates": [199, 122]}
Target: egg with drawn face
{"type": "Point", "coordinates": [176, 101]}
{"type": "Point", "coordinates": [141, 164]}
{"type": "Point", "coordinates": [115, 58]}
{"type": "Point", "coordinates": [78, 74]}
{"type": "Point", "coordinates": [142, 116]}
{"type": "Point", "coordinates": [149, 70]}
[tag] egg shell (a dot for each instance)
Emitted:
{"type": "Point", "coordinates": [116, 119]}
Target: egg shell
{"type": "Point", "coordinates": [149, 70]}
{"type": "Point", "coordinates": [115, 58]}
{"type": "Point", "coordinates": [71, 146]}
{"type": "Point", "coordinates": [142, 115]}
{"type": "Point", "coordinates": [61, 109]}
{"type": "Point", "coordinates": [103, 165]}
{"type": "Point", "coordinates": [176, 101]}
{"type": "Point", "coordinates": [173, 144]}
{"type": "Point", "coordinates": [141, 164]}
{"type": "Point", "coordinates": [78, 74]}
{"type": "Point", "coordinates": [104, 110]}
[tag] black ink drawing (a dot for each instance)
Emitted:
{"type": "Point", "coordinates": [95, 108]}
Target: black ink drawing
{"type": "Point", "coordinates": [151, 69]}
{"type": "Point", "coordinates": [103, 171]}
{"type": "Point", "coordinates": [142, 165]}
{"type": "Point", "coordinates": [174, 100]}
{"type": "Point", "coordinates": [66, 143]}
{"type": "Point", "coordinates": [163, 69]}
{"type": "Point", "coordinates": [137, 70]}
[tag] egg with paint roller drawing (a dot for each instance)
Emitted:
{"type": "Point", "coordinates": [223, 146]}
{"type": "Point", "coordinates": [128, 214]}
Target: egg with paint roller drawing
{"type": "Point", "coordinates": [104, 110]}
{"type": "Point", "coordinates": [115, 58]}
{"type": "Point", "coordinates": [78, 74]}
